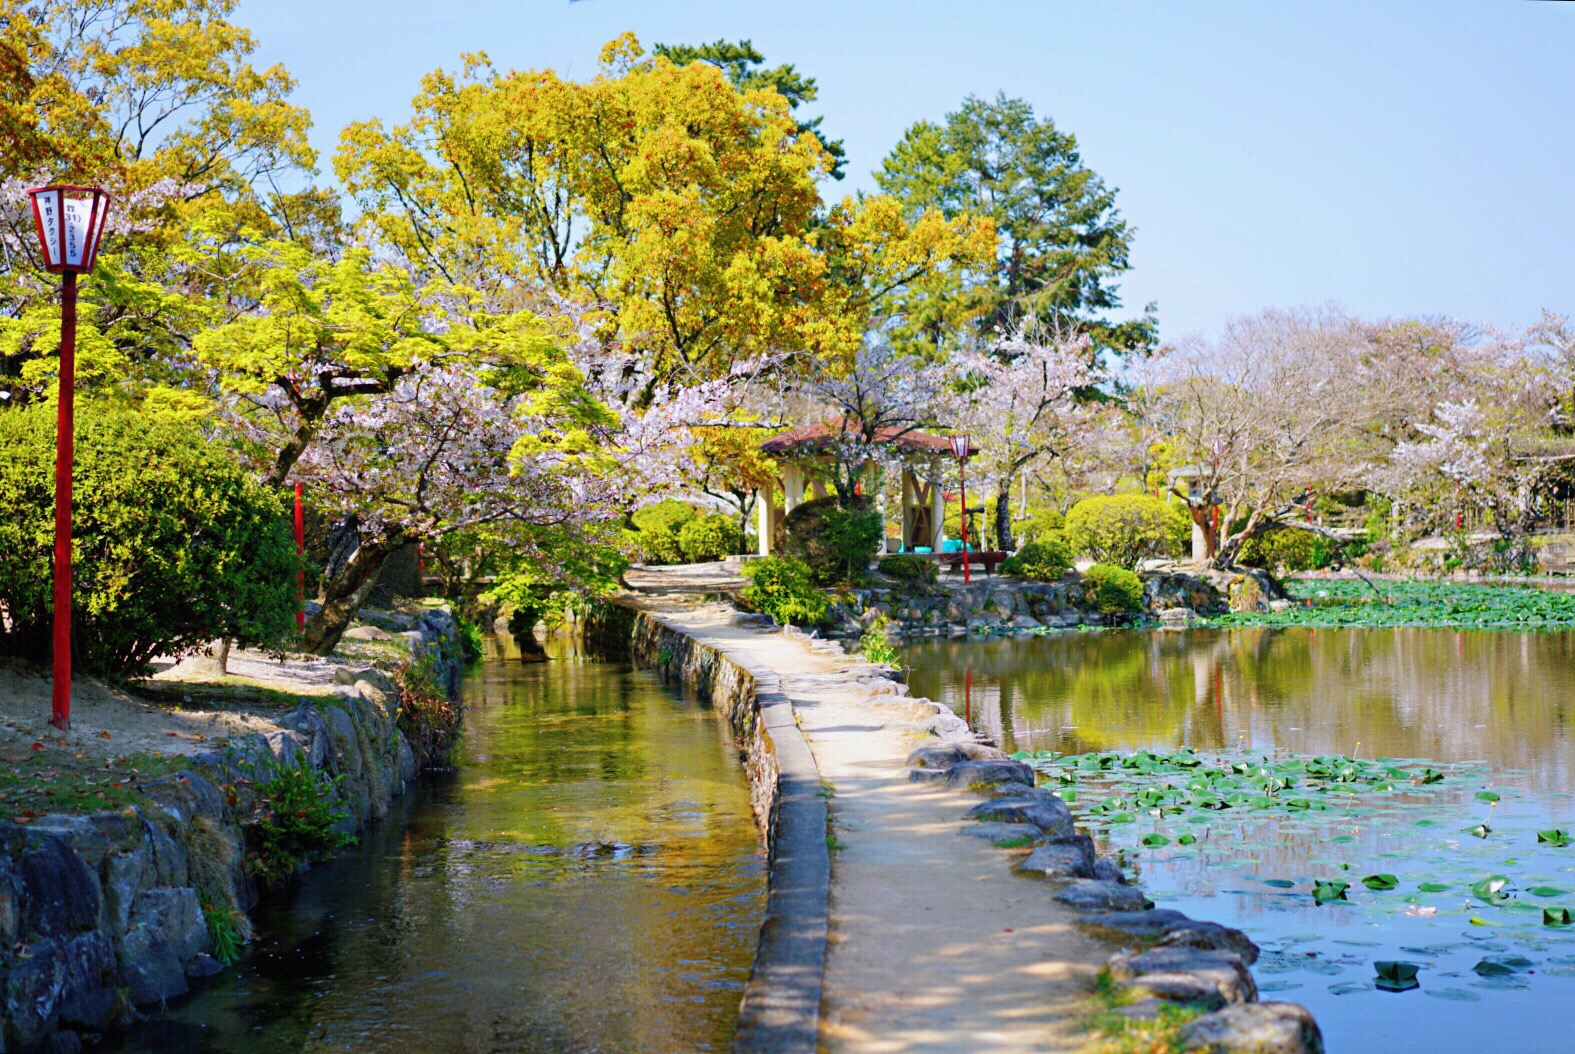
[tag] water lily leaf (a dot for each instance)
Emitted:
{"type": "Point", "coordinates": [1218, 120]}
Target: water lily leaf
{"type": "Point", "coordinates": [1491, 888]}
{"type": "Point", "coordinates": [1481, 830]}
{"type": "Point", "coordinates": [1326, 890]}
{"type": "Point", "coordinates": [1556, 837]}
{"type": "Point", "coordinates": [1279, 883]}
{"type": "Point", "coordinates": [1187, 839]}
{"type": "Point", "coordinates": [1433, 887]}
{"type": "Point", "coordinates": [1487, 796]}
{"type": "Point", "coordinates": [1155, 840]}
{"type": "Point", "coordinates": [1380, 882]}
{"type": "Point", "coordinates": [1555, 916]}
{"type": "Point", "coordinates": [1021, 755]}
{"type": "Point", "coordinates": [1547, 891]}
{"type": "Point", "coordinates": [1121, 817]}
{"type": "Point", "coordinates": [1396, 971]}
{"type": "Point", "coordinates": [1477, 920]}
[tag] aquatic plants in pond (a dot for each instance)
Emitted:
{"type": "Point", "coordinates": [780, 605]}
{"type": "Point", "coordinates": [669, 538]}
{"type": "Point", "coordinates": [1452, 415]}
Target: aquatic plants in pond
{"type": "Point", "coordinates": [1343, 602]}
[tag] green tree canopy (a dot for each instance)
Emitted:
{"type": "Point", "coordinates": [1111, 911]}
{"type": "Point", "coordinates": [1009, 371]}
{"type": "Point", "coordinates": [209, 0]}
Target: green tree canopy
{"type": "Point", "coordinates": [1062, 241]}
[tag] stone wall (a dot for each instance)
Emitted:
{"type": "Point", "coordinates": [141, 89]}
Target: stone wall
{"type": "Point", "coordinates": [999, 603]}
{"type": "Point", "coordinates": [102, 914]}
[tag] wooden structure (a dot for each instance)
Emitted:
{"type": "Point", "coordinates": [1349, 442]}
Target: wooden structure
{"type": "Point", "coordinates": [805, 463]}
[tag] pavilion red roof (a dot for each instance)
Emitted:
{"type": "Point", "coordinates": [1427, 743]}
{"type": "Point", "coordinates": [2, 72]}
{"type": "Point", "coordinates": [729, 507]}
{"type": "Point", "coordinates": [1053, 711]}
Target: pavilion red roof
{"type": "Point", "coordinates": [813, 436]}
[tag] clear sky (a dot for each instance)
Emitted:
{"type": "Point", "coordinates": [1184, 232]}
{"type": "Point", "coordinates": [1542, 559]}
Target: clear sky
{"type": "Point", "coordinates": [1392, 157]}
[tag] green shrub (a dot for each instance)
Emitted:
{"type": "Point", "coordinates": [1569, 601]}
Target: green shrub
{"type": "Point", "coordinates": [706, 538]}
{"type": "Point", "coordinates": [655, 537]}
{"type": "Point", "coordinates": [427, 716]}
{"type": "Point", "coordinates": [909, 567]}
{"type": "Point", "coordinates": [876, 643]}
{"type": "Point", "coordinates": [1039, 523]}
{"type": "Point", "coordinates": [782, 587]}
{"type": "Point", "coordinates": [1122, 529]}
{"type": "Point", "coordinates": [1115, 589]}
{"type": "Point", "coordinates": [470, 639]}
{"type": "Point", "coordinates": [836, 543]}
{"type": "Point", "coordinates": [292, 821]}
{"type": "Point", "coordinates": [175, 544]}
{"type": "Point", "coordinates": [1045, 560]}
{"type": "Point", "coordinates": [1285, 550]}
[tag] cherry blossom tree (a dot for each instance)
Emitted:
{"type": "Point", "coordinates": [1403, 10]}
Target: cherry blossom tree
{"type": "Point", "coordinates": [1021, 406]}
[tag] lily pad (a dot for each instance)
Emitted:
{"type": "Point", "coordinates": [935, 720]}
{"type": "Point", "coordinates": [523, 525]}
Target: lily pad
{"type": "Point", "coordinates": [1491, 888]}
{"type": "Point", "coordinates": [1555, 916]}
{"type": "Point", "coordinates": [1327, 890]}
{"type": "Point", "coordinates": [1380, 882]}
{"type": "Point", "coordinates": [1556, 837]}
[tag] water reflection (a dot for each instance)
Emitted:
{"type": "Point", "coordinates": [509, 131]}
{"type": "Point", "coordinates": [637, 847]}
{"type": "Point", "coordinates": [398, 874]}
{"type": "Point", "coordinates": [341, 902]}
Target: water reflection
{"type": "Point", "coordinates": [1491, 708]}
{"type": "Point", "coordinates": [1442, 694]}
{"type": "Point", "coordinates": [589, 879]}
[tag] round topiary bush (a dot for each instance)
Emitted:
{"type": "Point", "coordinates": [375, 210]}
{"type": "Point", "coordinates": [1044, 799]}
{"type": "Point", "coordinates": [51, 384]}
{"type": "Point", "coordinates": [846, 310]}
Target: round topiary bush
{"type": "Point", "coordinates": [706, 538]}
{"type": "Point", "coordinates": [1122, 529]}
{"type": "Point", "coordinates": [1043, 560]}
{"type": "Point", "coordinates": [175, 544]}
{"type": "Point", "coordinates": [1284, 550]}
{"type": "Point", "coordinates": [655, 537]}
{"type": "Point", "coordinates": [836, 544]}
{"type": "Point", "coordinates": [1115, 589]}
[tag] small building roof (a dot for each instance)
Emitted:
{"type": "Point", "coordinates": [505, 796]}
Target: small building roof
{"type": "Point", "coordinates": [811, 437]}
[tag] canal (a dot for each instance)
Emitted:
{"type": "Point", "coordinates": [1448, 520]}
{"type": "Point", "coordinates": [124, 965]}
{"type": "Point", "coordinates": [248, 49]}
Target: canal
{"type": "Point", "coordinates": [589, 878]}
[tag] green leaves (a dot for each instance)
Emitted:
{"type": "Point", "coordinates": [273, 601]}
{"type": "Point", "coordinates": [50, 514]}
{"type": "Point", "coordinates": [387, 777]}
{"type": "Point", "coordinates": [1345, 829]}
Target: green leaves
{"type": "Point", "coordinates": [1155, 840]}
{"type": "Point", "coordinates": [1555, 916]}
{"type": "Point", "coordinates": [1416, 604]}
{"type": "Point", "coordinates": [1481, 830]}
{"type": "Point", "coordinates": [1556, 837]}
{"type": "Point", "coordinates": [1546, 891]}
{"type": "Point", "coordinates": [1381, 882]}
{"type": "Point", "coordinates": [1433, 887]}
{"type": "Point", "coordinates": [1326, 890]}
{"type": "Point", "coordinates": [1491, 888]}
{"type": "Point", "coordinates": [1396, 976]}
{"type": "Point", "coordinates": [1488, 796]}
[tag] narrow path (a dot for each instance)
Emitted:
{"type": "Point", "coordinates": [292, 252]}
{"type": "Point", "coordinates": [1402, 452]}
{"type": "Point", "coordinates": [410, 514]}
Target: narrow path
{"type": "Point", "coordinates": [935, 945]}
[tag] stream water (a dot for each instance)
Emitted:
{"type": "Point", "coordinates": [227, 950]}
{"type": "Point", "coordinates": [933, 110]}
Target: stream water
{"type": "Point", "coordinates": [1492, 712]}
{"type": "Point", "coordinates": [588, 879]}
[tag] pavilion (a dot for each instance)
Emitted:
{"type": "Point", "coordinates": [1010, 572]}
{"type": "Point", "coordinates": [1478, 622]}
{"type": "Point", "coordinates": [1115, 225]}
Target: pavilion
{"type": "Point", "coordinates": [804, 460]}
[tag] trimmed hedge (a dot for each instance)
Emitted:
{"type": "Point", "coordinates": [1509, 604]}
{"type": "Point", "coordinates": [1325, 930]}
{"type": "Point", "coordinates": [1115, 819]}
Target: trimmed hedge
{"type": "Point", "coordinates": [781, 587]}
{"type": "Point", "coordinates": [707, 538]}
{"type": "Point", "coordinates": [1122, 529]}
{"type": "Point", "coordinates": [175, 545]}
{"type": "Point", "coordinates": [836, 544]}
{"type": "Point", "coordinates": [1116, 590]}
{"type": "Point", "coordinates": [1043, 560]}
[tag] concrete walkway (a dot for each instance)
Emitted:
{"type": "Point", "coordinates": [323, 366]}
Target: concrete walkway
{"type": "Point", "coordinates": [935, 945]}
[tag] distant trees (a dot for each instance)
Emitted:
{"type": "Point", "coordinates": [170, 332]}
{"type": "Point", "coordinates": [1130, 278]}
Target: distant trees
{"type": "Point", "coordinates": [1062, 243]}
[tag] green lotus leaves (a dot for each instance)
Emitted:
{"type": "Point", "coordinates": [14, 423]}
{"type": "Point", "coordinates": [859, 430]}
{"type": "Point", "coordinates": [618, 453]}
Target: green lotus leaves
{"type": "Point", "coordinates": [1153, 841]}
{"type": "Point", "coordinates": [1556, 837]}
{"type": "Point", "coordinates": [1381, 882]}
{"type": "Point", "coordinates": [1491, 888]}
{"type": "Point", "coordinates": [1327, 890]}
{"type": "Point", "coordinates": [1481, 830]}
{"type": "Point", "coordinates": [1396, 976]}
{"type": "Point", "coordinates": [1555, 916]}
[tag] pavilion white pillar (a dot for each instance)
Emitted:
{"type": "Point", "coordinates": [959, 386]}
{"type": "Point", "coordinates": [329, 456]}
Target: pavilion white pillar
{"type": "Point", "coordinates": [763, 520]}
{"type": "Point", "coordinates": [938, 513]}
{"type": "Point", "coordinates": [907, 508]}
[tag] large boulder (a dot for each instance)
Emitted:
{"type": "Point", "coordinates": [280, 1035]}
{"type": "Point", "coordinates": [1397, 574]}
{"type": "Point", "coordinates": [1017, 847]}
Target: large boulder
{"type": "Point", "coordinates": [1095, 895]}
{"type": "Point", "coordinates": [982, 774]}
{"type": "Point", "coordinates": [1051, 816]}
{"type": "Point", "coordinates": [1255, 1028]}
{"type": "Point", "coordinates": [1065, 857]}
{"type": "Point", "coordinates": [1185, 975]}
{"type": "Point", "coordinates": [178, 913]}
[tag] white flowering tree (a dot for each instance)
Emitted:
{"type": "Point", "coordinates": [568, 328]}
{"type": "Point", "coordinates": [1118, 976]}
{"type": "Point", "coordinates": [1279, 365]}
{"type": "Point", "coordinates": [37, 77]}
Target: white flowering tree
{"type": "Point", "coordinates": [1021, 405]}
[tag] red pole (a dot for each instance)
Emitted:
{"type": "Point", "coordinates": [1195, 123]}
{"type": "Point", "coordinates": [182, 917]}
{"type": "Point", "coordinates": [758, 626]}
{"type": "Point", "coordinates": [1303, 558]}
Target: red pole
{"type": "Point", "coordinates": [300, 551]}
{"type": "Point", "coordinates": [65, 453]}
{"type": "Point", "coordinates": [962, 496]}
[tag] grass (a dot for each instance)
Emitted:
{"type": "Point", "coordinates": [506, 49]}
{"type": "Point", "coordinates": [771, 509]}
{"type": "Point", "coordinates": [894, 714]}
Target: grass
{"type": "Point", "coordinates": [38, 778]}
{"type": "Point", "coordinates": [1113, 1032]}
{"type": "Point", "coordinates": [1340, 603]}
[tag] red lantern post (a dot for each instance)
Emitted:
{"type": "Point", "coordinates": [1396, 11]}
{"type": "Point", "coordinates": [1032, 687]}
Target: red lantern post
{"type": "Point", "coordinates": [70, 222]}
{"type": "Point", "coordinates": [960, 448]}
{"type": "Point", "coordinates": [300, 552]}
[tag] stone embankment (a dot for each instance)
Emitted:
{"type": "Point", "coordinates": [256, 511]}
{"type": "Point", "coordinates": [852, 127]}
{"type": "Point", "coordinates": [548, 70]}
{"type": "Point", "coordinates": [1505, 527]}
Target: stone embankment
{"type": "Point", "coordinates": [921, 941]}
{"type": "Point", "coordinates": [106, 913]}
{"type": "Point", "coordinates": [1000, 604]}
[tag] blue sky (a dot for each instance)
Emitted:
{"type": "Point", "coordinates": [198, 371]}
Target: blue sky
{"type": "Point", "coordinates": [1395, 158]}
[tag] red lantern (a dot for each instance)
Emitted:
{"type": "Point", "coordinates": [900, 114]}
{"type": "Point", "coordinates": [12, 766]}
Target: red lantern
{"type": "Point", "coordinates": [70, 222]}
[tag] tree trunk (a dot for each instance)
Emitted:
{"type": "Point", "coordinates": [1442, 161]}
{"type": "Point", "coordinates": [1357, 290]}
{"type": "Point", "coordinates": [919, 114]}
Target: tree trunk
{"type": "Point", "coordinates": [345, 589]}
{"type": "Point", "coordinates": [1003, 515]}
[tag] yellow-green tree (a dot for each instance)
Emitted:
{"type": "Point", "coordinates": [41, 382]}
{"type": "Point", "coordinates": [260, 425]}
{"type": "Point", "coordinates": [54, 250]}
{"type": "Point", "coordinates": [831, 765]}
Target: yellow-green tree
{"type": "Point", "coordinates": [683, 205]}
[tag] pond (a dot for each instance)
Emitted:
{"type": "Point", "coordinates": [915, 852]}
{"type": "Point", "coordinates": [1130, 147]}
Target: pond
{"type": "Point", "coordinates": [589, 879]}
{"type": "Point", "coordinates": [1463, 754]}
